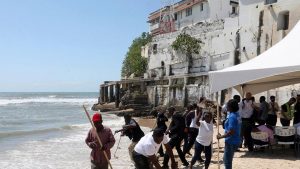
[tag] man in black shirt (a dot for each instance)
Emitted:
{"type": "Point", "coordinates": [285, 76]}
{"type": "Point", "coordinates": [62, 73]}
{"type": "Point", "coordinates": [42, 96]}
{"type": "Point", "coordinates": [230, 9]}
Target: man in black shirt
{"type": "Point", "coordinates": [161, 123]}
{"type": "Point", "coordinates": [193, 128]}
{"type": "Point", "coordinates": [176, 132]}
{"type": "Point", "coordinates": [133, 131]}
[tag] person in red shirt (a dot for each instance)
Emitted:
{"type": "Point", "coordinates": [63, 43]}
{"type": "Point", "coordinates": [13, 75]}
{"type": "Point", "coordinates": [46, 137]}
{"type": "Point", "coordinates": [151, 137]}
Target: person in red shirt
{"type": "Point", "coordinates": [98, 160]}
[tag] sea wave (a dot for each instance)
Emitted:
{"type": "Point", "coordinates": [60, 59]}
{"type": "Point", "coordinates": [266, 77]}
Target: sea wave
{"type": "Point", "coordinates": [41, 131]}
{"type": "Point", "coordinates": [52, 99]}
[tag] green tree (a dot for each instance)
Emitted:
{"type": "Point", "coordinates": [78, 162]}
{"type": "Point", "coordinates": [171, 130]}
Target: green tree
{"type": "Point", "coordinates": [134, 62]}
{"type": "Point", "coordinates": [188, 45]}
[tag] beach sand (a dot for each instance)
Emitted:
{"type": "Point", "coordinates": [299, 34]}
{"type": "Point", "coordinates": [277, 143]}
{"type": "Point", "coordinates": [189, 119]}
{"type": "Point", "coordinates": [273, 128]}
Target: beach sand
{"type": "Point", "coordinates": [279, 159]}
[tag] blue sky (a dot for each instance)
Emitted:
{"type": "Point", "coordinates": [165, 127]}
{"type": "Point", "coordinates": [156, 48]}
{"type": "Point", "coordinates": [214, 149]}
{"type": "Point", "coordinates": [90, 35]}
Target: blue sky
{"type": "Point", "coordinates": [67, 45]}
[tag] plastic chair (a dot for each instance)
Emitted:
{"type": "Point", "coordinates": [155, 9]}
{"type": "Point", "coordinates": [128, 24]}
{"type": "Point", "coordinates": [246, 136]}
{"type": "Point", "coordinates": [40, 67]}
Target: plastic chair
{"type": "Point", "coordinates": [285, 135]}
{"type": "Point", "coordinates": [259, 140]}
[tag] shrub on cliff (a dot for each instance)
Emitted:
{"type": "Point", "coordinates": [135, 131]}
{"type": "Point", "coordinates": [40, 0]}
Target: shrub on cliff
{"type": "Point", "coordinates": [134, 62]}
{"type": "Point", "coordinates": [188, 45]}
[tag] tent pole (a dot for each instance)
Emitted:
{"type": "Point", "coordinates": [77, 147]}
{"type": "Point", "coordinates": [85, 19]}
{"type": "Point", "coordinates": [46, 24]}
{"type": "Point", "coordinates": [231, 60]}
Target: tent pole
{"type": "Point", "coordinates": [218, 120]}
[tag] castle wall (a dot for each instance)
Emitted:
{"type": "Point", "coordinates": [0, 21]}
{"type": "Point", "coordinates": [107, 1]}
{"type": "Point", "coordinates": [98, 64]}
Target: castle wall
{"type": "Point", "coordinates": [227, 40]}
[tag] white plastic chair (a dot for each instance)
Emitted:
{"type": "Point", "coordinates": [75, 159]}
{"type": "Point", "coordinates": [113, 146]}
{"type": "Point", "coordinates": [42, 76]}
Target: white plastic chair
{"type": "Point", "coordinates": [261, 137]}
{"type": "Point", "coordinates": [285, 132]}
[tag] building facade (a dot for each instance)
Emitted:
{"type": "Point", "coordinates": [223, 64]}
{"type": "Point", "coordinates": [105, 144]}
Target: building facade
{"type": "Point", "coordinates": [231, 32]}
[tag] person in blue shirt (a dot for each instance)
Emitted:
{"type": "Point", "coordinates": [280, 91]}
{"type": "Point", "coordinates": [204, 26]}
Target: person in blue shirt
{"type": "Point", "coordinates": [232, 133]}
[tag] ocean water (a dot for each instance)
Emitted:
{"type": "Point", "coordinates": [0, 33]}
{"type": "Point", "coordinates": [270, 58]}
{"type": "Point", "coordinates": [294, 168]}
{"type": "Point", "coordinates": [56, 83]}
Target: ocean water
{"type": "Point", "coordinates": [47, 131]}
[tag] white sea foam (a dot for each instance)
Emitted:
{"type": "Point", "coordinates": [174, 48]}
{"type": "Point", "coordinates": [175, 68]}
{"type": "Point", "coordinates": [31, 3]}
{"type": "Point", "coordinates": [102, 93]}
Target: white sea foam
{"type": "Point", "coordinates": [52, 96]}
{"type": "Point", "coordinates": [42, 131]}
{"type": "Point", "coordinates": [69, 151]}
{"type": "Point", "coordinates": [4, 102]}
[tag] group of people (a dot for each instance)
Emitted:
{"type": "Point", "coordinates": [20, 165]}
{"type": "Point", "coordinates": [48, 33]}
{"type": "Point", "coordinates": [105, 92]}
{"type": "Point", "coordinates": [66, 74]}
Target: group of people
{"type": "Point", "coordinates": [262, 116]}
{"type": "Point", "coordinates": [193, 127]}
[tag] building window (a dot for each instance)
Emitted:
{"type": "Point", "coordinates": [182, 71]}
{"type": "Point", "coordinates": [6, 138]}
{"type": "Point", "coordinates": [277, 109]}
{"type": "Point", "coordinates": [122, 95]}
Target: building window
{"type": "Point", "coordinates": [154, 48]}
{"type": "Point", "coordinates": [233, 10]}
{"type": "Point", "coordinates": [270, 2]}
{"type": "Point", "coordinates": [189, 11]}
{"type": "Point", "coordinates": [157, 20]}
{"type": "Point", "coordinates": [283, 20]}
{"type": "Point", "coordinates": [175, 16]}
{"type": "Point", "coordinates": [201, 7]}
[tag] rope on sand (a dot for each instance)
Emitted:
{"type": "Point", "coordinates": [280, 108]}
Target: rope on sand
{"type": "Point", "coordinates": [117, 147]}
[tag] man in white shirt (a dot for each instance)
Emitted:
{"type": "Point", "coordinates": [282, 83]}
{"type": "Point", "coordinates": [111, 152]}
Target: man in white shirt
{"type": "Point", "coordinates": [203, 140]}
{"type": "Point", "coordinates": [247, 107]}
{"type": "Point", "coordinates": [148, 146]}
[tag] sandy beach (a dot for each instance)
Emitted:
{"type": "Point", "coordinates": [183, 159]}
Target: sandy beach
{"type": "Point", "coordinates": [279, 159]}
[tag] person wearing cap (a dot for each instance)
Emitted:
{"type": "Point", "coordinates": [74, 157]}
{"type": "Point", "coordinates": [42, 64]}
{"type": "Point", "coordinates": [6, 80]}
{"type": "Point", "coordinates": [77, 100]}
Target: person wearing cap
{"type": "Point", "coordinates": [144, 152]}
{"type": "Point", "coordinates": [98, 160]}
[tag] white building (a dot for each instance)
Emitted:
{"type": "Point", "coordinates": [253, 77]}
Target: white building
{"type": "Point", "coordinates": [232, 31]}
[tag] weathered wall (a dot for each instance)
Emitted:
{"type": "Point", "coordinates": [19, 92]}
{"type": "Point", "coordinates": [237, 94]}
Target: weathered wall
{"type": "Point", "coordinates": [215, 48]}
{"type": "Point", "coordinates": [197, 16]}
{"type": "Point", "coordinates": [226, 40]}
{"type": "Point", "coordinates": [151, 90]}
{"type": "Point", "coordinates": [162, 94]}
{"type": "Point", "coordinates": [176, 96]}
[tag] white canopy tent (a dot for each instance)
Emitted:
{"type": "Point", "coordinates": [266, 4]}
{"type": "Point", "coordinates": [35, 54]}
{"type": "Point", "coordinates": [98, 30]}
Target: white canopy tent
{"type": "Point", "coordinates": [279, 66]}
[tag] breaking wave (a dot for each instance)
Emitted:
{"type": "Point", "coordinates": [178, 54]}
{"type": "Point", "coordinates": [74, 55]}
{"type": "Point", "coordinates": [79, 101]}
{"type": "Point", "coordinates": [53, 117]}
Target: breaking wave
{"type": "Point", "coordinates": [50, 99]}
{"type": "Point", "coordinates": [41, 131]}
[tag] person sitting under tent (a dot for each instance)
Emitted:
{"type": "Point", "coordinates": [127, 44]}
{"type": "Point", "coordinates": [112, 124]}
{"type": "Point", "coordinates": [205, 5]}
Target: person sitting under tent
{"type": "Point", "coordinates": [264, 128]}
{"type": "Point", "coordinates": [145, 150]}
{"type": "Point", "coordinates": [98, 160]}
